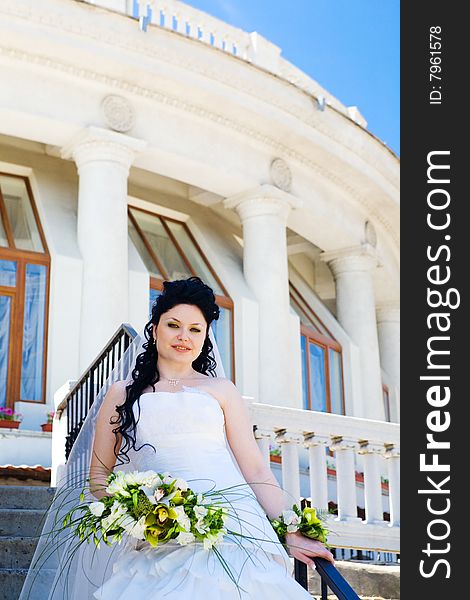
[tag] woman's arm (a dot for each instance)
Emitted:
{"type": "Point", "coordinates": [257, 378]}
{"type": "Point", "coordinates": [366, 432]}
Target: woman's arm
{"type": "Point", "coordinates": [103, 457]}
{"type": "Point", "coordinates": [258, 474]}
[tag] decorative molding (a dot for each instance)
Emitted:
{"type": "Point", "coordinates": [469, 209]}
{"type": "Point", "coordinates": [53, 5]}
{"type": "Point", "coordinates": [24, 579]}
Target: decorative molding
{"type": "Point", "coordinates": [96, 144]}
{"type": "Point", "coordinates": [310, 117]}
{"type": "Point", "coordinates": [184, 105]}
{"type": "Point", "coordinates": [370, 235]}
{"type": "Point", "coordinates": [353, 258]}
{"type": "Point", "coordinates": [118, 113]}
{"type": "Point", "coordinates": [262, 201]}
{"type": "Point", "coordinates": [281, 175]}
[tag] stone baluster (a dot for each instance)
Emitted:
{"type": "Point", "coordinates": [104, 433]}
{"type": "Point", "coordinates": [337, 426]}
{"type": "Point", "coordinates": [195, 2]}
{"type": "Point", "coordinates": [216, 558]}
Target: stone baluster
{"type": "Point", "coordinates": [392, 456]}
{"type": "Point", "coordinates": [290, 464]}
{"type": "Point", "coordinates": [344, 450]}
{"type": "Point", "coordinates": [318, 470]}
{"type": "Point", "coordinates": [264, 438]}
{"type": "Point", "coordinates": [372, 459]}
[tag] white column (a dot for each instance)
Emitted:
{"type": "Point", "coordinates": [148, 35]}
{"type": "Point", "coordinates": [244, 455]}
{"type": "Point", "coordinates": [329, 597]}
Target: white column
{"type": "Point", "coordinates": [393, 460]}
{"type": "Point", "coordinates": [318, 470]}
{"type": "Point", "coordinates": [346, 478]}
{"type": "Point", "coordinates": [263, 438]}
{"type": "Point", "coordinates": [372, 483]}
{"type": "Point", "coordinates": [103, 160]}
{"type": "Point", "coordinates": [263, 212]}
{"type": "Point", "coordinates": [353, 269]}
{"type": "Point", "coordinates": [290, 465]}
{"type": "Point", "coordinates": [388, 329]}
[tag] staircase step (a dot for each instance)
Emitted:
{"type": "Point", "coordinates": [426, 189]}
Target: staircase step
{"type": "Point", "coordinates": [11, 583]}
{"type": "Point", "coordinates": [16, 552]}
{"type": "Point", "coordinates": [21, 522]}
{"type": "Point", "coordinates": [26, 496]}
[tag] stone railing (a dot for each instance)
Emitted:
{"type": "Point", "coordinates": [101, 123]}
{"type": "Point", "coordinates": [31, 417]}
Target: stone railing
{"type": "Point", "coordinates": [182, 18]}
{"type": "Point", "coordinates": [374, 444]}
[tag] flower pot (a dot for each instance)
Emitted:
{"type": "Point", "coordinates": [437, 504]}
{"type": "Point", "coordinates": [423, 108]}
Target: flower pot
{"type": "Point", "coordinates": [276, 458]}
{"type": "Point", "coordinates": [46, 426]}
{"type": "Point", "coordinates": [8, 424]}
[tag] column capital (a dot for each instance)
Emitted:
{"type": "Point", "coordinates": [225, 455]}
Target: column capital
{"type": "Point", "coordinates": [264, 434]}
{"type": "Point", "coordinates": [366, 447]}
{"type": "Point", "coordinates": [388, 312]}
{"type": "Point", "coordinates": [392, 451]}
{"type": "Point", "coordinates": [343, 443]}
{"type": "Point", "coordinates": [98, 144]}
{"type": "Point", "coordinates": [353, 258]}
{"type": "Point", "coordinates": [316, 440]}
{"type": "Point", "coordinates": [287, 437]}
{"type": "Point", "coordinates": [263, 200]}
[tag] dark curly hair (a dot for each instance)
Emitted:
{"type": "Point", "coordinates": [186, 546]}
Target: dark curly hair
{"type": "Point", "coordinates": [183, 291]}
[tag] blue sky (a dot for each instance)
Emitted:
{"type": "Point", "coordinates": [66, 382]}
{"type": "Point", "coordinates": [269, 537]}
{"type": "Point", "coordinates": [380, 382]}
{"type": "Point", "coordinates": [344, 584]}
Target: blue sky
{"type": "Point", "coordinates": [351, 48]}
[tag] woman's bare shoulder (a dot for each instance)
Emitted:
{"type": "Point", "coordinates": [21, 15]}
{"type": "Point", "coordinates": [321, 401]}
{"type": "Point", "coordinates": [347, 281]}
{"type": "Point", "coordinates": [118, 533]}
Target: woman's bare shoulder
{"type": "Point", "coordinates": [116, 393]}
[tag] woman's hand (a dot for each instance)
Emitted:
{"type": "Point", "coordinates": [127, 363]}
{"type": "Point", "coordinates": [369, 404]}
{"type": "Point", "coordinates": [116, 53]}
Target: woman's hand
{"type": "Point", "coordinates": [304, 548]}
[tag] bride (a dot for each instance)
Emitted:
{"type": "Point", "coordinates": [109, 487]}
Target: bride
{"type": "Point", "coordinates": [174, 415]}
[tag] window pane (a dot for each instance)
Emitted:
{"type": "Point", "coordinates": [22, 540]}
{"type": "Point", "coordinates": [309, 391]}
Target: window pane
{"type": "Point", "coordinates": [336, 382]}
{"type": "Point", "coordinates": [5, 311]}
{"type": "Point", "coordinates": [317, 377]}
{"type": "Point", "coordinates": [192, 254]}
{"type": "Point", "coordinates": [222, 332]}
{"type": "Point", "coordinates": [20, 214]}
{"type": "Point", "coordinates": [142, 250]}
{"type": "Point", "coordinates": [303, 352]}
{"type": "Point", "coordinates": [33, 333]}
{"type": "Point", "coordinates": [8, 273]}
{"type": "Point", "coordinates": [162, 245]}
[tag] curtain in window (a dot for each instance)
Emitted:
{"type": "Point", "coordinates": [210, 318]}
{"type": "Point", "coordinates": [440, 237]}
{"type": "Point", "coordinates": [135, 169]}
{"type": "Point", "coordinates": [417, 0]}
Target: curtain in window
{"type": "Point", "coordinates": [317, 377]}
{"type": "Point", "coordinates": [33, 333]}
{"type": "Point", "coordinates": [5, 311]}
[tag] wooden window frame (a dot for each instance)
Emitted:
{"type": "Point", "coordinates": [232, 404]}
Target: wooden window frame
{"type": "Point", "coordinates": [22, 258]}
{"type": "Point", "coordinates": [326, 343]}
{"type": "Point", "coordinates": [156, 283]}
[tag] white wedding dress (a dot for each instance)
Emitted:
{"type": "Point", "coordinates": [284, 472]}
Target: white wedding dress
{"type": "Point", "coordinates": [186, 429]}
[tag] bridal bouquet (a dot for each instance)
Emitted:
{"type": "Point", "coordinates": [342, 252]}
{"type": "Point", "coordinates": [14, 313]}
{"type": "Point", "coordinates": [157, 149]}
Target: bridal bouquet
{"type": "Point", "coordinates": [307, 521]}
{"type": "Point", "coordinates": [148, 506]}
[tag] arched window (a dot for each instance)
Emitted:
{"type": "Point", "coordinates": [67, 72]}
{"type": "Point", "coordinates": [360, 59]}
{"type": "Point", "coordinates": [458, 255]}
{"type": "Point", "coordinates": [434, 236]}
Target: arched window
{"type": "Point", "coordinates": [24, 293]}
{"type": "Point", "coordinates": [322, 365]}
{"type": "Point", "coordinates": [169, 251]}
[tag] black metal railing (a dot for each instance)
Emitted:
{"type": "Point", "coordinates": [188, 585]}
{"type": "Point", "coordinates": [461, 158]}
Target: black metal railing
{"type": "Point", "coordinates": [330, 577]}
{"type": "Point", "coordinates": [80, 399]}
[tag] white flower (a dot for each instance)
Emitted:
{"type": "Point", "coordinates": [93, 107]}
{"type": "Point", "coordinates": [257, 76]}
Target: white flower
{"type": "Point", "coordinates": [213, 538]}
{"type": "Point", "coordinates": [167, 478]}
{"type": "Point", "coordinates": [290, 518]}
{"type": "Point", "coordinates": [201, 528]}
{"type": "Point", "coordinates": [182, 518]}
{"type": "Point", "coordinates": [158, 494]}
{"type": "Point", "coordinates": [184, 538]}
{"type": "Point", "coordinates": [292, 528]}
{"type": "Point", "coordinates": [113, 519]}
{"type": "Point", "coordinates": [181, 484]}
{"type": "Point", "coordinates": [200, 511]}
{"type": "Point", "coordinates": [132, 527]}
{"type": "Point", "coordinates": [96, 508]}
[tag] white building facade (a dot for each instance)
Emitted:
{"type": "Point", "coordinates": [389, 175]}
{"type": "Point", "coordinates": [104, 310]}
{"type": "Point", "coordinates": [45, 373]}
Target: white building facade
{"type": "Point", "coordinates": [193, 148]}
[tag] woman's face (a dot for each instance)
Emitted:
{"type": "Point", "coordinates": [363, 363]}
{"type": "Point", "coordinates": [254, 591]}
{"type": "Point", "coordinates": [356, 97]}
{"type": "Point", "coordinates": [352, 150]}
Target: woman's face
{"type": "Point", "coordinates": [180, 333]}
